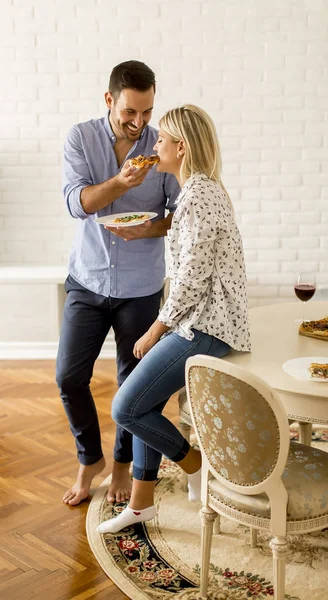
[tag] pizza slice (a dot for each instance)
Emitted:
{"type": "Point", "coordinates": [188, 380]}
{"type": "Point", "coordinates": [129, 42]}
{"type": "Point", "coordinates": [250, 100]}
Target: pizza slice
{"type": "Point", "coordinates": [142, 161]}
{"type": "Point", "coordinates": [319, 370]}
{"type": "Point", "coordinates": [317, 329]}
{"type": "Point", "coordinates": [129, 218]}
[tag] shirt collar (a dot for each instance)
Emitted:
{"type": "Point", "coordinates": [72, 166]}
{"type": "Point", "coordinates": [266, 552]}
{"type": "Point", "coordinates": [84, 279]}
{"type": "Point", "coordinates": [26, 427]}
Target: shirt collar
{"type": "Point", "coordinates": [111, 133]}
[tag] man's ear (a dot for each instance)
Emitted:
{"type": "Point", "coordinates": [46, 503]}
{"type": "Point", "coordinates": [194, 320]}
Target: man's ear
{"type": "Point", "coordinates": [109, 100]}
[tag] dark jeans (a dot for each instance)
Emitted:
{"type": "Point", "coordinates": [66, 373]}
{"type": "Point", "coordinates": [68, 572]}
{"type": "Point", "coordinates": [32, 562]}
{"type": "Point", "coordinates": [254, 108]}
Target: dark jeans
{"type": "Point", "coordinates": [87, 320]}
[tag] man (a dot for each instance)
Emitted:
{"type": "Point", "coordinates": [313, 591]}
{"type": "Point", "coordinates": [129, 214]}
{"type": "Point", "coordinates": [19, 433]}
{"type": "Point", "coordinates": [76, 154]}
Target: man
{"type": "Point", "coordinates": [115, 276]}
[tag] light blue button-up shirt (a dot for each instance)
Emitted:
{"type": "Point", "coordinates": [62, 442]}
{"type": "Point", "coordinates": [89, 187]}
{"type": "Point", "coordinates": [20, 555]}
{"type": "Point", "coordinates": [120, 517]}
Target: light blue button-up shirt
{"type": "Point", "coordinates": [100, 261]}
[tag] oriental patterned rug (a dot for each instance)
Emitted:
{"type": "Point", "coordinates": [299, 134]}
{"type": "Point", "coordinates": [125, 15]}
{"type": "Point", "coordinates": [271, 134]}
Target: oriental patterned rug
{"type": "Point", "coordinates": [160, 560]}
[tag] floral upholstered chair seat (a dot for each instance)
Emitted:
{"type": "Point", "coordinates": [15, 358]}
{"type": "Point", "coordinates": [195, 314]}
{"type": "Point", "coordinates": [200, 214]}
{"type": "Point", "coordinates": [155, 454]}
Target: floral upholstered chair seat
{"type": "Point", "coordinates": [305, 479]}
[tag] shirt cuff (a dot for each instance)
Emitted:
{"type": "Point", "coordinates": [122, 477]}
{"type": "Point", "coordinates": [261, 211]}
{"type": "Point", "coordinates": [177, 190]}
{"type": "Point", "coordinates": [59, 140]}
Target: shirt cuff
{"type": "Point", "coordinates": [74, 204]}
{"type": "Point", "coordinates": [166, 320]}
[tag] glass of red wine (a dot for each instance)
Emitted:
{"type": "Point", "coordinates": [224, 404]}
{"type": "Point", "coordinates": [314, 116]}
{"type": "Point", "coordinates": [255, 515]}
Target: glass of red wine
{"type": "Point", "coordinates": [304, 288]}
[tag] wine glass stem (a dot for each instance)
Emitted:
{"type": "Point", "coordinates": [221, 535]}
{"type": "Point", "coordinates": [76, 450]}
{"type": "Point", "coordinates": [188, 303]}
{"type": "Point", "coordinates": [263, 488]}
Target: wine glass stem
{"type": "Point", "coordinates": [303, 318]}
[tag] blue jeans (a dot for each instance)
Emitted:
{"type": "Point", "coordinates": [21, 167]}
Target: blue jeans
{"type": "Point", "coordinates": [139, 402]}
{"type": "Point", "coordinates": [86, 321]}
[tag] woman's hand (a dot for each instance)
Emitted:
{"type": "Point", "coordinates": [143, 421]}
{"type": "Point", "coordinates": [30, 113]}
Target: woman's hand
{"type": "Point", "coordinates": [144, 344]}
{"type": "Point", "coordinates": [149, 339]}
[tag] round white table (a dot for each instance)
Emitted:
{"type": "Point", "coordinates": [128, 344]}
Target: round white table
{"type": "Point", "coordinates": [275, 339]}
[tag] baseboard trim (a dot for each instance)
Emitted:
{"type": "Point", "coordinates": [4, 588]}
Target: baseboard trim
{"type": "Point", "coordinates": [43, 350]}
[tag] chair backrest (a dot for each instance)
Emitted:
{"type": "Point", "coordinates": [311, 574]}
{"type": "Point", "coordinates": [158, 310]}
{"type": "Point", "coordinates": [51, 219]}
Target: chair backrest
{"type": "Point", "coordinates": [165, 291]}
{"type": "Point", "coordinates": [241, 425]}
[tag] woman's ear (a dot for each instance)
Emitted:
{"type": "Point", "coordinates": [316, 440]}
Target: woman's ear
{"type": "Point", "coordinates": [181, 149]}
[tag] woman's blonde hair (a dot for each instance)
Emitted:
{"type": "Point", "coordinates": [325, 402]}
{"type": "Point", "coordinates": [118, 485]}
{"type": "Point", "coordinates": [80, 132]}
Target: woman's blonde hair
{"type": "Point", "coordinates": [196, 128]}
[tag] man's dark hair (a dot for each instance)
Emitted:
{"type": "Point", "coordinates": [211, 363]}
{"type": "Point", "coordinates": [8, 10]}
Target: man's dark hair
{"type": "Point", "coordinates": [133, 75]}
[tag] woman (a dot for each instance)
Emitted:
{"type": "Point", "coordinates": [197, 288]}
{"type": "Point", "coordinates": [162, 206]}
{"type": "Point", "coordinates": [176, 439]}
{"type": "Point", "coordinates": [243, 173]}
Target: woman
{"type": "Point", "coordinates": [205, 313]}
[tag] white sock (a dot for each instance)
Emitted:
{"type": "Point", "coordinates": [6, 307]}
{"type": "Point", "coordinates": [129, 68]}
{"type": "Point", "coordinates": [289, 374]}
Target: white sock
{"type": "Point", "coordinates": [127, 517]}
{"type": "Point", "coordinates": [194, 486]}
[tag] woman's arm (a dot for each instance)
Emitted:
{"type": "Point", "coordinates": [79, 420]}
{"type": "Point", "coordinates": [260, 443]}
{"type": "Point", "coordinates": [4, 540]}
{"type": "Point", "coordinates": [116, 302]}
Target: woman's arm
{"type": "Point", "coordinates": [197, 236]}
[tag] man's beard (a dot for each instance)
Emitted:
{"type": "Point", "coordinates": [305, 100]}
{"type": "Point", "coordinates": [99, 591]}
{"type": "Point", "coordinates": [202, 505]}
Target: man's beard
{"type": "Point", "coordinates": [124, 130]}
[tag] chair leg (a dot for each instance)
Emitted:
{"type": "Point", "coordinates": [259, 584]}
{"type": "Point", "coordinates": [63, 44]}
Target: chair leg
{"type": "Point", "coordinates": [217, 525]}
{"type": "Point", "coordinates": [305, 430]}
{"type": "Point", "coordinates": [253, 537]}
{"type": "Point", "coordinates": [208, 517]}
{"type": "Point", "coordinates": [278, 546]}
{"type": "Point", "coordinates": [184, 429]}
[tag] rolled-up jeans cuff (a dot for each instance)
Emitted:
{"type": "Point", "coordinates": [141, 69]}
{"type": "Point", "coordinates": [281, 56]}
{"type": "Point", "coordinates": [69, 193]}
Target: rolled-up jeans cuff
{"type": "Point", "coordinates": [86, 461]}
{"type": "Point", "coordinates": [182, 453]}
{"type": "Point", "coordinates": [118, 459]}
{"type": "Point", "coordinates": [143, 474]}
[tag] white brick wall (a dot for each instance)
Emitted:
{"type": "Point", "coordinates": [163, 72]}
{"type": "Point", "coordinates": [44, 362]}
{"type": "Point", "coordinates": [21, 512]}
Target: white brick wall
{"type": "Point", "coordinates": [258, 67]}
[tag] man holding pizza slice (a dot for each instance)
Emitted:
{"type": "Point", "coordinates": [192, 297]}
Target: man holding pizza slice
{"type": "Point", "coordinates": [111, 283]}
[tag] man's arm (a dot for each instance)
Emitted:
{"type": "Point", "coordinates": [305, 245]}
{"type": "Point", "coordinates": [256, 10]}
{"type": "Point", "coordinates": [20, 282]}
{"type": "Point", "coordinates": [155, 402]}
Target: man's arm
{"type": "Point", "coordinates": [82, 196]}
{"type": "Point", "coordinates": [96, 197]}
{"type": "Point", "coordinates": [148, 229]}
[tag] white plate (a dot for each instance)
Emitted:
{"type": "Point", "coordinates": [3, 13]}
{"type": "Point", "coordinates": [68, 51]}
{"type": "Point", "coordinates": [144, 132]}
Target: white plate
{"type": "Point", "coordinates": [299, 367]}
{"type": "Point", "coordinates": [109, 219]}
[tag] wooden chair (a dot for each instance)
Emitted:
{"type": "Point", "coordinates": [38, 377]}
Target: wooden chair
{"type": "Point", "coordinates": [251, 473]}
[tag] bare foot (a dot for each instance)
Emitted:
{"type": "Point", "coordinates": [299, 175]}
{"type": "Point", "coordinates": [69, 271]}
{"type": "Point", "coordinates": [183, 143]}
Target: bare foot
{"type": "Point", "coordinates": [81, 488]}
{"type": "Point", "coordinates": [121, 485]}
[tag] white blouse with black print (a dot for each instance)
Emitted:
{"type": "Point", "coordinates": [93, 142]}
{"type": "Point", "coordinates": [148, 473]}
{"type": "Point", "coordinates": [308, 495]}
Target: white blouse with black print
{"type": "Point", "coordinates": [207, 270]}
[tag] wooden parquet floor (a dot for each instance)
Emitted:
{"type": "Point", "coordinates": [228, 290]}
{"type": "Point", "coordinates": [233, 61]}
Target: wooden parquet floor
{"type": "Point", "coordinates": [44, 552]}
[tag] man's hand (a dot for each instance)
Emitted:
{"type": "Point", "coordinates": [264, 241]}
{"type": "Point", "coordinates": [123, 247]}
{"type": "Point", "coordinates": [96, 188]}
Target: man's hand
{"type": "Point", "coordinates": [137, 232]}
{"type": "Point", "coordinates": [130, 177]}
{"type": "Point", "coordinates": [148, 229]}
